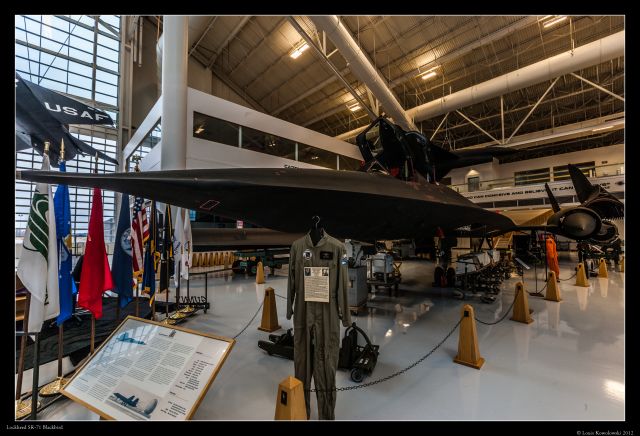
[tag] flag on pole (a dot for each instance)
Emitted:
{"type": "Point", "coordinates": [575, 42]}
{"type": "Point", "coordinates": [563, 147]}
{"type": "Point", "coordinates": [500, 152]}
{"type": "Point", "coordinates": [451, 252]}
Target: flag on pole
{"type": "Point", "coordinates": [38, 265]}
{"type": "Point", "coordinates": [62, 207]}
{"type": "Point", "coordinates": [150, 264]}
{"type": "Point", "coordinates": [187, 242]}
{"type": "Point", "coordinates": [122, 266]}
{"type": "Point", "coordinates": [167, 251]}
{"type": "Point", "coordinates": [178, 236]}
{"type": "Point", "coordinates": [96, 276]}
{"type": "Point", "coordinates": [139, 235]}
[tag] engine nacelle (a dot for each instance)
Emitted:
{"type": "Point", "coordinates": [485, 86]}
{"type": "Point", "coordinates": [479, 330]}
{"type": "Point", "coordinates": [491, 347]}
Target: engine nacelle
{"type": "Point", "coordinates": [607, 234]}
{"type": "Point", "coordinates": [577, 223]}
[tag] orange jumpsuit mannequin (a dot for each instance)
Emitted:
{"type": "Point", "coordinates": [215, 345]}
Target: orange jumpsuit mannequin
{"type": "Point", "coordinates": [552, 256]}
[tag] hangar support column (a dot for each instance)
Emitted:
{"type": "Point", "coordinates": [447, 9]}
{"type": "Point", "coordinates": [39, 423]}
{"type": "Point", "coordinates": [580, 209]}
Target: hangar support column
{"type": "Point", "coordinates": [174, 93]}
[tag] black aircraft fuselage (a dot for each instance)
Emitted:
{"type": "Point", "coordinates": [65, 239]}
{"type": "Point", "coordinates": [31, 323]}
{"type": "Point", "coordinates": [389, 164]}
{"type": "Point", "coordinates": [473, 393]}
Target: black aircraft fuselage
{"type": "Point", "coordinates": [393, 196]}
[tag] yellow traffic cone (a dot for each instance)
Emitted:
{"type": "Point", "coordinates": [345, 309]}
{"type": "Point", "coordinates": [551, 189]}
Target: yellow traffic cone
{"type": "Point", "coordinates": [468, 351]}
{"type": "Point", "coordinates": [553, 290]}
{"type": "Point", "coordinates": [269, 312]}
{"type": "Point", "coordinates": [602, 269]}
{"type": "Point", "coordinates": [521, 311]}
{"type": "Point", "coordinates": [581, 276]}
{"type": "Point", "coordinates": [259, 273]}
{"type": "Point", "coordinates": [290, 403]}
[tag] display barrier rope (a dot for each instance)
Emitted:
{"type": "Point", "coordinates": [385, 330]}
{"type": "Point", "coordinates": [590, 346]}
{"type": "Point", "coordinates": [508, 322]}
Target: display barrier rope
{"type": "Point", "coordinates": [395, 374]}
{"type": "Point", "coordinates": [539, 293]}
{"type": "Point", "coordinates": [503, 316]}
{"type": "Point", "coordinates": [249, 323]}
{"type": "Point", "coordinates": [564, 280]}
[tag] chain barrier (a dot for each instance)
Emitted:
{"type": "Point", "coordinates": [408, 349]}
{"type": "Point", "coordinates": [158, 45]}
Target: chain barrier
{"type": "Point", "coordinates": [280, 296]}
{"type": "Point", "coordinates": [564, 280]}
{"type": "Point", "coordinates": [395, 374]}
{"type": "Point", "coordinates": [254, 317]}
{"type": "Point", "coordinates": [538, 293]}
{"type": "Point", "coordinates": [503, 316]}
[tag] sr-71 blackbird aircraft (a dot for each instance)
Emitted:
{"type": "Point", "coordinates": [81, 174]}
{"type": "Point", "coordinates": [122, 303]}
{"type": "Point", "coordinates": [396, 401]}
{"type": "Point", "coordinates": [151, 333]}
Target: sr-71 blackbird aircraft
{"type": "Point", "coordinates": [44, 115]}
{"type": "Point", "coordinates": [394, 196]}
{"type": "Point", "coordinates": [591, 220]}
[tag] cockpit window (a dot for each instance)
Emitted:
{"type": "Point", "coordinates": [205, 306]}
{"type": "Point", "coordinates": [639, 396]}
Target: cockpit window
{"type": "Point", "coordinates": [389, 149]}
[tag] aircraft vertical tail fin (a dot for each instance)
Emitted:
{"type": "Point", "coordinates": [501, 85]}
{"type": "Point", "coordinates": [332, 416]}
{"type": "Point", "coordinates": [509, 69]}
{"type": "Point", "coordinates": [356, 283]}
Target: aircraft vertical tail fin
{"type": "Point", "coordinates": [552, 199]}
{"type": "Point", "coordinates": [584, 188]}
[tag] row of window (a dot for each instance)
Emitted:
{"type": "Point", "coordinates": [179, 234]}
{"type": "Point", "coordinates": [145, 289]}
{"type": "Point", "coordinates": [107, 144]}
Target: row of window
{"type": "Point", "coordinates": [57, 52]}
{"type": "Point", "coordinates": [542, 175]}
{"type": "Point", "coordinates": [228, 133]}
{"type": "Point", "coordinates": [536, 201]}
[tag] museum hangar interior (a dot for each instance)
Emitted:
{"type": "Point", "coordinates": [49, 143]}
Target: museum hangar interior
{"type": "Point", "coordinates": [320, 217]}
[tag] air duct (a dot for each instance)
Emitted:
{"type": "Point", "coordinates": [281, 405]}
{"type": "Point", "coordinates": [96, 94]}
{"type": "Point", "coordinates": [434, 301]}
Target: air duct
{"type": "Point", "coordinates": [361, 67]}
{"type": "Point", "coordinates": [584, 56]}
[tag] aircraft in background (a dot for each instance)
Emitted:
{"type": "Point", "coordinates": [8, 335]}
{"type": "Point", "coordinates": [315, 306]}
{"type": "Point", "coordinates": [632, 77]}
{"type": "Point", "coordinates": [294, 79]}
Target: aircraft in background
{"type": "Point", "coordinates": [44, 115]}
{"type": "Point", "coordinates": [591, 220]}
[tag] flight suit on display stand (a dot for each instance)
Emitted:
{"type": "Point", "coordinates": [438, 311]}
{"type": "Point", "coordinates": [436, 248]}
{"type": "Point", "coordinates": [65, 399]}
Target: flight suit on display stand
{"type": "Point", "coordinates": [317, 298]}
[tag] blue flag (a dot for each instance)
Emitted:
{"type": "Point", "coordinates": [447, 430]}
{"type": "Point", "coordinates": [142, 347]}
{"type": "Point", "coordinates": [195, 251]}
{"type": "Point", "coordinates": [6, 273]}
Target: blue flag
{"type": "Point", "coordinates": [122, 267]}
{"type": "Point", "coordinates": [62, 209]}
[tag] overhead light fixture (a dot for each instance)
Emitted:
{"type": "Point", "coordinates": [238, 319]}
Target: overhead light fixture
{"type": "Point", "coordinates": [430, 73]}
{"type": "Point", "coordinates": [199, 130]}
{"type": "Point", "coordinates": [299, 50]}
{"type": "Point", "coordinates": [354, 107]}
{"type": "Point", "coordinates": [602, 128]}
{"type": "Point", "coordinates": [556, 20]}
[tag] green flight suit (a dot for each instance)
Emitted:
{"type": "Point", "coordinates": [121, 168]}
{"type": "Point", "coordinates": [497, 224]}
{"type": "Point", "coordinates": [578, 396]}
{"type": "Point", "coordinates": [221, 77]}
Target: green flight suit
{"type": "Point", "coordinates": [316, 325]}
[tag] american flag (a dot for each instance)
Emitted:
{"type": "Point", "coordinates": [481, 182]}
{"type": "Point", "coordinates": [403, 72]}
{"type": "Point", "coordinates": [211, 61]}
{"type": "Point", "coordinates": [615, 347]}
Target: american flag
{"type": "Point", "coordinates": [139, 235]}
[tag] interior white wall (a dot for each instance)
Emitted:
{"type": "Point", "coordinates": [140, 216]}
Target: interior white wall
{"type": "Point", "coordinates": [227, 110]}
{"type": "Point", "coordinates": [493, 170]}
{"type": "Point", "coordinates": [207, 154]}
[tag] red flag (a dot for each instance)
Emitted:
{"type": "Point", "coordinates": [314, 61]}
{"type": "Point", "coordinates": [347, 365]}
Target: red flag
{"type": "Point", "coordinates": [96, 276]}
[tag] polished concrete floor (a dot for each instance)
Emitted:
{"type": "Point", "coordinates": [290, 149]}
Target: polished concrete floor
{"type": "Point", "coordinates": [567, 365]}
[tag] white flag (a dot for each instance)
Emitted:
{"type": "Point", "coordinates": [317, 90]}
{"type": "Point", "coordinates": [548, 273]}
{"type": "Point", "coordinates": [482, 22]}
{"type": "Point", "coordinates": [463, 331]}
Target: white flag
{"type": "Point", "coordinates": [187, 244]}
{"type": "Point", "coordinates": [38, 265]}
{"type": "Point", "coordinates": [178, 242]}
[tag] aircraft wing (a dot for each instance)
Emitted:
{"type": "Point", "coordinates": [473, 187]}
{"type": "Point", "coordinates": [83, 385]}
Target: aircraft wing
{"type": "Point", "coordinates": [87, 149]}
{"type": "Point", "coordinates": [355, 205]}
{"type": "Point", "coordinates": [23, 141]}
{"type": "Point", "coordinates": [64, 109]}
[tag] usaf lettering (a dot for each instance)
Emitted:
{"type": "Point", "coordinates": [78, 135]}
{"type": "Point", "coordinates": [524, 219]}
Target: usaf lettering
{"type": "Point", "coordinates": [72, 111]}
{"type": "Point", "coordinates": [326, 255]}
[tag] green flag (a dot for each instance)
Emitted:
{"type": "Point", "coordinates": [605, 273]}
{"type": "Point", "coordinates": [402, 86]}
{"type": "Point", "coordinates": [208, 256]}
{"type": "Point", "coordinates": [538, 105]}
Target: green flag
{"type": "Point", "coordinates": [38, 265]}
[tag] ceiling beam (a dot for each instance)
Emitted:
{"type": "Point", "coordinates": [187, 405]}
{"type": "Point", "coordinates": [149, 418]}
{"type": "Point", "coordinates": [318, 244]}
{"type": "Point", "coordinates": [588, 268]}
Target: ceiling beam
{"type": "Point", "coordinates": [242, 93]}
{"type": "Point", "coordinates": [362, 68]}
{"type": "Point", "coordinates": [322, 56]}
{"type": "Point", "coordinates": [229, 37]}
{"type": "Point", "coordinates": [253, 50]}
{"type": "Point", "coordinates": [197, 43]}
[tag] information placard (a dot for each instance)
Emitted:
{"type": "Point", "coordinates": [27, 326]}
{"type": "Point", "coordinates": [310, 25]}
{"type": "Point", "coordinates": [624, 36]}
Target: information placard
{"type": "Point", "coordinates": [149, 371]}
